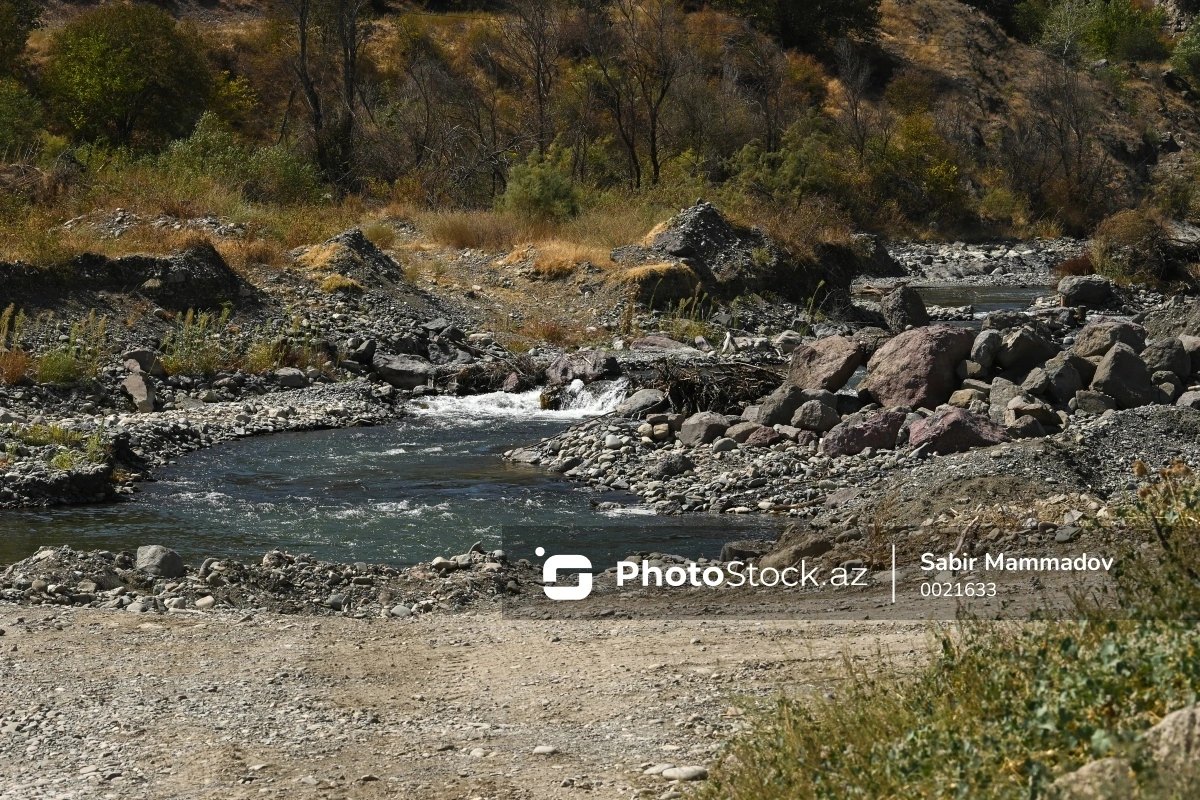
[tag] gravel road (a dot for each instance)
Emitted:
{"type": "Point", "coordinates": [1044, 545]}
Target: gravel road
{"type": "Point", "coordinates": [105, 704]}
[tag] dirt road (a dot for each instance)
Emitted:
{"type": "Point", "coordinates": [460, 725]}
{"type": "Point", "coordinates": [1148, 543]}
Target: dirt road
{"type": "Point", "coordinates": [109, 704]}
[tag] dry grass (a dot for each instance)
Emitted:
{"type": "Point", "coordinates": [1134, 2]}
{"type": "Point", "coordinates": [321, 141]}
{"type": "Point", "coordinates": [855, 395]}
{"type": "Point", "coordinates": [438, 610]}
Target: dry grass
{"type": "Point", "coordinates": [660, 283]}
{"type": "Point", "coordinates": [340, 283]}
{"type": "Point", "coordinates": [481, 230]}
{"type": "Point", "coordinates": [556, 259]}
{"type": "Point", "coordinates": [381, 234]}
{"type": "Point", "coordinates": [14, 365]}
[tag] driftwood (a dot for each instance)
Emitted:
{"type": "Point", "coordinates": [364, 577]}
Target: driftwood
{"type": "Point", "coordinates": [724, 388]}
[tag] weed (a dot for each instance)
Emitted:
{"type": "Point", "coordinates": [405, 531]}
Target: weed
{"type": "Point", "coordinates": [41, 435]}
{"type": "Point", "coordinates": [196, 347]}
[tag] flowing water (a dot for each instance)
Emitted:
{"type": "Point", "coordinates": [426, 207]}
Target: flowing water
{"type": "Point", "coordinates": [428, 486]}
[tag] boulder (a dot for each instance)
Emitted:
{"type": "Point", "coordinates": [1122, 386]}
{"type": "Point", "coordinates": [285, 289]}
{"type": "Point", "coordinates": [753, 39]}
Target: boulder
{"type": "Point", "coordinates": [585, 365]}
{"type": "Point", "coordinates": [672, 464]}
{"type": "Point", "coordinates": [1124, 377]}
{"type": "Point", "coordinates": [1005, 319]}
{"type": "Point", "coordinates": [1025, 428]}
{"type": "Point", "coordinates": [1025, 406]}
{"type": "Point", "coordinates": [642, 402]}
{"type": "Point", "coordinates": [141, 391]}
{"type": "Point", "coordinates": [745, 549]}
{"type": "Point", "coordinates": [816, 416]}
{"type": "Point", "coordinates": [1175, 743]}
{"type": "Point", "coordinates": [147, 361]}
{"type": "Point", "coordinates": [765, 437]}
{"type": "Point", "coordinates": [1189, 400]}
{"type": "Point", "coordinates": [154, 559]}
{"type": "Point", "coordinates": [1002, 392]}
{"type": "Point", "coordinates": [903, 308]}
{"type": "Point", "coordinates": [291, 378]}
{"type": "Point", "coordinates": [660, 343]}
{"type": "Point", "coordinates": [787, 341]}
{"type": "Point", "coordinates": [1105, 779]}
{"type": "Point", "coordinates": [1089, 291]}
{"type": "Point", "coordinates": [702, 428]}
{"type": "Point", "coordinates": [793, 548]}
{"type": "Point", "coordinates": [963, 398]}
{"type": "Point", "coordinates": [985, 347]}
{"type": "Point", "coordinates": [1094, 402]}
{"type": "Point", "coordinates": [723, 444]}
{"type": "Point", "coordinates": [779, 406]}
{"type": "Point", "coordinates": [403, 372]}
{"type": "Point", "coordinates": [363, 352]}
{"type": "Point", "coordinates": [826, 364]}
{"type": "Point", "coordinates": [917, 368]}
{"type": "Point", "coordinates": [1024, 349]}
{"type": "Point", "coordinates": [1192, 345]}
{"type": "Point", "coordinates": [740, 431]}
{"type": "Point", "coordinates": [1097, 338]}
{"type": "Point", "coordinates": [954, 431]}
{"type": "Point", "coordinates": [878, 431]}
{"type": "Point", "coordinates": [1169, 355]}
{"type": "Point", "coordinates": [1063, 379]}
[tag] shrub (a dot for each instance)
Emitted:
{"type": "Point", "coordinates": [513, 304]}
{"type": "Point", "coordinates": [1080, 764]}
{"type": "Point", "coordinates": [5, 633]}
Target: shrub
{"type": "Point", "coordinates": [1080, 265]}
{"type": "Point", "coordinates": [20, 118]}
{"type": "Point", "coordinates": [127, 74]}
{"type": "Point", "coordinates": [259, 173]}
{"type": "Point", "coordinates": [1186, 56]}
{"type": "Point", "coordinates": [540, 190]}
{"type": "Point", "coordinates": [77, 358]}
{"type": "Point", "coordinates": [1131, 245]}
{"type": "Point", "coordinates": [196, 346]}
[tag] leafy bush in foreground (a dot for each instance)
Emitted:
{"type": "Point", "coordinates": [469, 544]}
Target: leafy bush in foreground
{"type": "Point", "coordinates": [1005, 708]}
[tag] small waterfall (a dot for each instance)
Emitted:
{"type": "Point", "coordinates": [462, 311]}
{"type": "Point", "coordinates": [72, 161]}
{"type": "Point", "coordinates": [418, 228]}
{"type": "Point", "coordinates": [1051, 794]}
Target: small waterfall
{"type": "Point", "coordinates": [590, 401]}
{"type": "Point", "coordinates": [576, 402]}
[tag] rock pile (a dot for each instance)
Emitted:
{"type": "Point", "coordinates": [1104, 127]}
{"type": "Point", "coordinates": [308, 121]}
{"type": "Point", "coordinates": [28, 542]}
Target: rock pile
{"type": "Point", "coordinates": [155, 579]}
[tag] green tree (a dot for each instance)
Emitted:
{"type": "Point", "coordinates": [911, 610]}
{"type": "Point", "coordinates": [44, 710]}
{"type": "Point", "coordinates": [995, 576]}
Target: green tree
{"type": "Point", "coordinates": [127, 74]}
{"type": "Point", "coordinates": [17, 19]}
{"type": "Point", "coordinates": [810, 25]}
{"type": "Point", "coordinates": [20, 117]}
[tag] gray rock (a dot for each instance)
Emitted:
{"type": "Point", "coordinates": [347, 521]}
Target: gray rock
{"type": "Point", "coordinates": [1169, 355]}
{"type": "Point", "coordinates": [1002, 393]}
{"type": "Point", "coordinates": [1098, 338]}
{"type": "Point", "coordinates": [987, 344]}
{"type": "Point", "coordinates": [1025, 428]}
{"type": "Point", "coordinates": [779, 406]}
{"type": "Point", "coordinates": [815, 416]}
{"type": "Point", "coordinates": [642, 402]}
{"type": "Point", "coordinates": [1106, 779]}
{"type": "Point", "coordinates": [1175, 743]}
{"type": "Point", "coordinates": [1064, 380]}
{"type": "Point", "coordinates": [1024, 349]}
{"type": "Point", "coordinates": [585, 365]}
{"type": "Point", "coordinates": [903, 307]}
{"type": "Point", "coordinates": [1189, 400]}
{"type": "Point", "coordinates": [141, 391]}
{"type": "Point", "coordinates": [685, 774]}
{"type": "Point", "coordinates": [724, 445]}
{"type": "Point", "coordinates": [291, 378]}
{"type": "Point", "coordinates": [1089, 291]}
{"type": "Point", "coordinates": [1124, 377]}
{"type": "Point", "coordinates": [793, 548]}
{"type": "Point", "coordinates": [673, 464]}
{"type": "Point", "coordinates": [154, 559]}
{"type": "Point", "coordinates": [1094, 402]}
{"type": "Point", "coordinates": [702, 428]}
{"type": "Point", "coordinates": [403, 372]}
{"type": "Point", "coordinates": [745, 549]}
{"type": "Point", "coordinates": [740, 431]}
{"type": "Point", "coordinates": [147, 361]}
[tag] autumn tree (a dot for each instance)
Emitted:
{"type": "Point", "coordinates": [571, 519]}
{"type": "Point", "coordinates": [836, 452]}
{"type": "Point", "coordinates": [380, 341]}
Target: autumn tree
{"type": "Point", "coordinates": [325, 52]}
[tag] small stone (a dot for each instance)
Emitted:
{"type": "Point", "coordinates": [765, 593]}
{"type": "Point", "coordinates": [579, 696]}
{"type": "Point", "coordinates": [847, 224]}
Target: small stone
{"type": "Point", "coordinates": [544, 750]}
{"type": "Point", "coordinates": [685, 774]}
{"type": "Point", "coordinates": [205, 602]}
